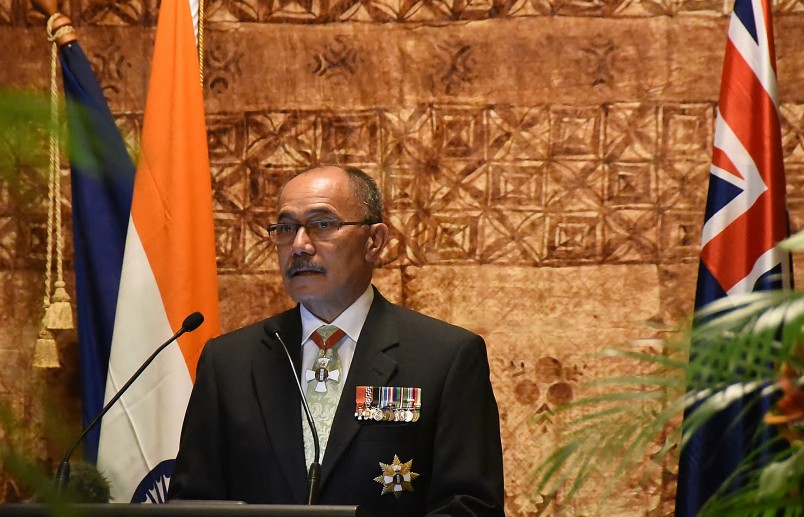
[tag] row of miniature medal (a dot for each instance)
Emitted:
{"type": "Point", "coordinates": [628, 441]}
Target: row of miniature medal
{"type": "Point", "coordinates": [388, 403]}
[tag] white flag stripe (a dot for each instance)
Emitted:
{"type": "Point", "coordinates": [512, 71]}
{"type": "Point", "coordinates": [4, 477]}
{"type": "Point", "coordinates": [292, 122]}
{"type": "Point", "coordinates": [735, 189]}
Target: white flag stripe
{"type": "Point", "coordinates": [159, 397]}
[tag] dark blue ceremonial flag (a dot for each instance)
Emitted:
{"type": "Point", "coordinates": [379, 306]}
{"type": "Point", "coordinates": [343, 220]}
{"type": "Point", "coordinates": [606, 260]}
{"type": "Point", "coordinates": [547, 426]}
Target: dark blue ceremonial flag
{"type": "Point", "coordinates": [102, 186]}
{"type": "Point", "coordinates": [745, 218]}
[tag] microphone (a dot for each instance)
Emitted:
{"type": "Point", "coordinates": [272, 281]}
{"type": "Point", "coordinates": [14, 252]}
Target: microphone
{"type": "Point", "coordinates": [314, 473]}
{"type": "Point", "coordinates": [191, 322]}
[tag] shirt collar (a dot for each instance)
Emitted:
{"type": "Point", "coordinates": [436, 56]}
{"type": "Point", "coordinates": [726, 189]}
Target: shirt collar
{"type": "Point", "coordinates": [350, 321]}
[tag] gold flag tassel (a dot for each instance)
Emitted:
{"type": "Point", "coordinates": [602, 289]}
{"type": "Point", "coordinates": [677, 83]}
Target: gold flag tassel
{"type": "Point", "coordinates": [59, 315]}
{"type": "Point", "coordinates": [46, 355]}
{"type": "Point", "coordinates": [58, 312]}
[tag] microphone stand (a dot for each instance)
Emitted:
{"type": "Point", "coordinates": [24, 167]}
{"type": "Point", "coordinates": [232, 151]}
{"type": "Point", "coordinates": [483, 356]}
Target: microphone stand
{"type": "Point", "coordinates": [314, 473]}
{"type": "Point", "coordinates": [190, 323]}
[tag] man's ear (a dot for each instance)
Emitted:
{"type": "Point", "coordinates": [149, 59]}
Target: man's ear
{"type": "Point", "coordinates": [378, 238]}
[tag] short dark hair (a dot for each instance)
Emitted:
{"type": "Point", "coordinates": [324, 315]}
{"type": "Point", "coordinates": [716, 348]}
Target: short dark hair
{"type": "Point", "coordinates": [364, 188]}
{"type": "Point", "coordinates": [367, 192]}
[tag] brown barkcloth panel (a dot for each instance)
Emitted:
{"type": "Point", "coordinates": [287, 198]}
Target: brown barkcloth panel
{"type": "Point", "coordinates": [543, 162]}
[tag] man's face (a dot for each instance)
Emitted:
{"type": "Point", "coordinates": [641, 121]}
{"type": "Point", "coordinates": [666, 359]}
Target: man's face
{"type": "Point", "coordinates": [326, 276]}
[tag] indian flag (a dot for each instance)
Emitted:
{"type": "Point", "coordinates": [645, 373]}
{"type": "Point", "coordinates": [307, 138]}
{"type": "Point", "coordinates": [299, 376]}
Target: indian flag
{"type": "Point", "coordinates": [168, 271]}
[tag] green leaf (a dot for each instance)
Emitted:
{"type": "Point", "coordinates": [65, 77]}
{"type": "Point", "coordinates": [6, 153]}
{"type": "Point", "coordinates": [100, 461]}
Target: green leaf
{"type": "Point", "coordinates": [780, 477]}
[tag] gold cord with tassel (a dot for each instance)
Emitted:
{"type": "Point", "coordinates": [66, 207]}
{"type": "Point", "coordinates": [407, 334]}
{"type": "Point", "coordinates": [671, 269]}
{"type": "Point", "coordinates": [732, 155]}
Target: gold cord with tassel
{"type": "Point", "coordinates": [58, 311]}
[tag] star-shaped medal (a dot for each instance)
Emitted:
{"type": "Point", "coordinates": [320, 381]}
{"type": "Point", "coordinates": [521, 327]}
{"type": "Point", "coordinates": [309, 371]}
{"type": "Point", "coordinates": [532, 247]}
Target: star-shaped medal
{"type": "Point", "coordinates": [396, 477]}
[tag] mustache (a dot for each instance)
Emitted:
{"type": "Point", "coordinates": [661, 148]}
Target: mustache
{"type": "Point", "coordinates": [303, 264]}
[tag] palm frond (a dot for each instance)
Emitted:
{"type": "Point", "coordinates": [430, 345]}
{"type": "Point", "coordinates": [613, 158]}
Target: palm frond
{"type": "Point", "coordinates": [738, 345]}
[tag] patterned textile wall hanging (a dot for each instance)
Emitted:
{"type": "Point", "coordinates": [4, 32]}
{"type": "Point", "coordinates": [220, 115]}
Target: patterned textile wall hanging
{"type": "Point", "coordinates": [544, 166]}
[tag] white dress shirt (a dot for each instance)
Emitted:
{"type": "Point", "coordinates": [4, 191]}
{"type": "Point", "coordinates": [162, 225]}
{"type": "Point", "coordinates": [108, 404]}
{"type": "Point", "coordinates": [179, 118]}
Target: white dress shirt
{"type": "Point", "coordinates": [350, 321]}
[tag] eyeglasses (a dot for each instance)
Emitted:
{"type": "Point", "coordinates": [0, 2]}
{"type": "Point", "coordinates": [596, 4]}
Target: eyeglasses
{"type": "Point", "coordinates": [323, 230]}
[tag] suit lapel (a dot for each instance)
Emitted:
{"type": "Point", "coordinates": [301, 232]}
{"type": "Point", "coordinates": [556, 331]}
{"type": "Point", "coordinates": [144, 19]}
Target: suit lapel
{"type": "Point", "coordinates": [278, 398]}
{"type": "Point", "coordinates": [371, 366]}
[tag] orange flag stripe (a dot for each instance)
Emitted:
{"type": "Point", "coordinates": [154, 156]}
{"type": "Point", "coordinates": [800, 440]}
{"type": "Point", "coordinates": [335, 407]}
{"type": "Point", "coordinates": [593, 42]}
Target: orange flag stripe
{"type": "Point", "coordinates": [172, 205]}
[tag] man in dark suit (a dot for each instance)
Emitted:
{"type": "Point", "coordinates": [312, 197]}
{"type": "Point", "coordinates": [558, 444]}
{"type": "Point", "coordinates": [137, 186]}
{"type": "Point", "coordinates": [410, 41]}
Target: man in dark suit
{"type": "Point", "coordinates": [403, 402]}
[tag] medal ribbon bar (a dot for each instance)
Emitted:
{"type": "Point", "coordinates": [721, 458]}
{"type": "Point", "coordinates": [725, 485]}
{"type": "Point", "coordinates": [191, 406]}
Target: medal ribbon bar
{"type": "Point", "coordinates": [388, 403]}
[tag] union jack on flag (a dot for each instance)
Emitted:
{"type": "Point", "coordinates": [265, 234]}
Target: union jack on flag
{"type": "Point", "coordinates": [745, 209]}
{"type": "Point", "coordinates": [745, 218]}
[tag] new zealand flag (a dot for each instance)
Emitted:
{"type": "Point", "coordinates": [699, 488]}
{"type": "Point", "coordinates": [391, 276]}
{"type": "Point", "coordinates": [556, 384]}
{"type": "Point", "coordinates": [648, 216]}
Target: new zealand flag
{"type": "Point", "coordinates": [745, 218]}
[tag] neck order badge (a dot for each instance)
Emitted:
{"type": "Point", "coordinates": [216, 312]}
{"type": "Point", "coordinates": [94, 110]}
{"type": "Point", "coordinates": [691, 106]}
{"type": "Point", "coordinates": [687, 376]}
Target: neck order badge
{"type": "Point", "coordinates": [327, 364]}
{"type": "Point", "coordinates": [324, 386]}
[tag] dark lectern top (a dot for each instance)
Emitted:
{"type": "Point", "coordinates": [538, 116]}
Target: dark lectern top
{"type": "Point", "coordinates": [183, 509]}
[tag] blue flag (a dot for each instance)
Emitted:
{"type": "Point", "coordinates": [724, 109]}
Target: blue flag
{"type": "Point", "coordinates": [102, 186]}
{"type": "Point", "coordinates": [745, 218]}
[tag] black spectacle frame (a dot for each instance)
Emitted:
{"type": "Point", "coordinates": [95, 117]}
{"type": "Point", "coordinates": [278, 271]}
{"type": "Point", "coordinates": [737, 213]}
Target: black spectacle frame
{"type": "Point", "coordinates": [284, 233]}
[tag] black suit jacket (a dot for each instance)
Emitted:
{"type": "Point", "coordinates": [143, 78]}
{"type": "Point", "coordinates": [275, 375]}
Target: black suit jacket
{"type": "Point", "coordinates": [242, 435]}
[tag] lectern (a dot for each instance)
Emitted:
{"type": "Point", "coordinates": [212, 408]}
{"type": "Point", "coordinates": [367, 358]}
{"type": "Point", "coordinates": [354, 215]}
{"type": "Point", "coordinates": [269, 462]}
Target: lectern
{"type": "Point", "coordinates": [184, 509]}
